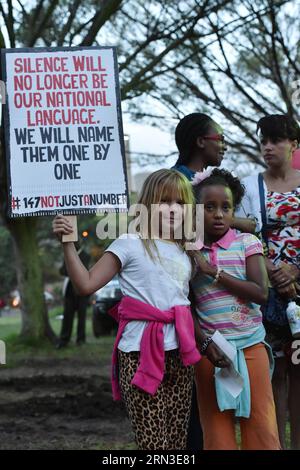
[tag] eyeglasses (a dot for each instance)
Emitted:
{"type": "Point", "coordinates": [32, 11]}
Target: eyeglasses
{"type": "Point", "coordinates": [216, 137]}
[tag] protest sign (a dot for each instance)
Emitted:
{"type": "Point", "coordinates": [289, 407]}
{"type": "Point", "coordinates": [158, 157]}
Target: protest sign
{"type": "Point", "coordinates": [63, 131]}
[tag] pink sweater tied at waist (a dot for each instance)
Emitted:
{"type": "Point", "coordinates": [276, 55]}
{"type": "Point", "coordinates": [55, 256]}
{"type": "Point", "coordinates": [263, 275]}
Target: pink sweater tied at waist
{"type": "Point", "coordinates": [150, 372]}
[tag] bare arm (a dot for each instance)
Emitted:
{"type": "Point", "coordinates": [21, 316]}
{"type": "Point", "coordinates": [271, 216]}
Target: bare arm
{"type": "Point", "coordinates": [244, 217]}
{"type": "Point", "coordinates": [255, 288]}
{"type": "Point", "coordinates": [85, 281]}
{"type": "Point", "coordinates": [283, 278]}
{"type": "Point", "coordinates": [244, 225]}
{"type": "Point", "coordinates": [213, 353]}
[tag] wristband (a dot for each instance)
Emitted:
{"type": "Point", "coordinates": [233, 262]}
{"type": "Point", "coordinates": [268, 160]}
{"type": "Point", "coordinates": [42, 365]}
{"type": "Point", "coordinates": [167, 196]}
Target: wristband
{"type": "Point", "coordinates": [216, 279]}
{"type": "Point", "coordinates": [205, 345]}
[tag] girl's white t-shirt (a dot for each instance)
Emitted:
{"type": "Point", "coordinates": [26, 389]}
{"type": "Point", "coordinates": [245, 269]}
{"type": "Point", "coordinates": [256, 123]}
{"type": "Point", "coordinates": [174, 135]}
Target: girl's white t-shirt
{"type": "Point", "coordinates": [162, 282]}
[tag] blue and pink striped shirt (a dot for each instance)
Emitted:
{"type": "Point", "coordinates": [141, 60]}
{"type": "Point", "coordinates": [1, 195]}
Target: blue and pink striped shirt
{"type": "Point", "coordinates": [216, 307]}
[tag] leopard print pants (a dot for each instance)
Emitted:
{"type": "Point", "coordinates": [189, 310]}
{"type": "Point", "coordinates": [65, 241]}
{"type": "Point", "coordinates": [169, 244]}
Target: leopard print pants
{"type": "Point", "coordinates": [159, 422]}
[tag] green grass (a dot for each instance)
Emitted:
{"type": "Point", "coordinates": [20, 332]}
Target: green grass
{"type": "Point", "coordinates": [18, 350]}
{"type": "Point", "coordinates": [9, 326]}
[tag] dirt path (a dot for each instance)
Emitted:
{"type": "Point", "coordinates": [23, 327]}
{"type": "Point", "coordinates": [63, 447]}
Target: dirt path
{"type": "Point", "coordinates": [60, 404]}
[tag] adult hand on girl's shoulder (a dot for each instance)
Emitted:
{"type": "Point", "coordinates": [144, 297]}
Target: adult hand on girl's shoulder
{"type": "Point", "coordinates": [246, 225]}
{"type": "Point", "coordinates": [61, 226]}
{"type": "Point", "coordinates": [216, 357]}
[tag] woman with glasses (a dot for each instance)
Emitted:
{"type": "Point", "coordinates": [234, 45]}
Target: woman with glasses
{"type": "Point", "coordinates": [201, 143]}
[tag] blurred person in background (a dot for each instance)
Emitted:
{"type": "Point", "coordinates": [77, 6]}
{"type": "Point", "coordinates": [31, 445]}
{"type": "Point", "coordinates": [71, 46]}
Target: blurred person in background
{"type": "Point", "coordinates": [74, 303]}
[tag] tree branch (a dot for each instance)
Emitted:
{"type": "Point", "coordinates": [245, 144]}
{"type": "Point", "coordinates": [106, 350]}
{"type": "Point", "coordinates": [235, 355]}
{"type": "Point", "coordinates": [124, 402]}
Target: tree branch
{"type": "Point", "coordinates": [8, 24]}
{"type": "Point", "coordinates": [25, 14]}
{"type": "Point", "coordinates": [78, 30]}
{"type": "Point", "coordinates": [43, 24]}
{"type": "Point", "coordinates": [150, 66]}
{"type": "Point", "coordinates": [287, 53]}
{"type": "Point", "coordinates": [108, 8]}
{"type": "Point", "coordinates": [34, 17]}
{"type": "Point", "coordinates": [67, 26]}
{"type": "Point", "coordinates": [12, 37]}
{"type": "Point", "coordinates": [280, 82]}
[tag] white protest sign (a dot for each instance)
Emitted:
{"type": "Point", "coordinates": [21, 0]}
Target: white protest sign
{"type": "Point", "coordinates": [63, 131]}
{"type": "Point", "coordinates": [228, 377]}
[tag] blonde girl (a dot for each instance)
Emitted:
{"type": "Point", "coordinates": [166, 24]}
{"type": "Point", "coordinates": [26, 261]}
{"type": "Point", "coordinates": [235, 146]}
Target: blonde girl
{"type": "Point", "coordinates": [155, 345]}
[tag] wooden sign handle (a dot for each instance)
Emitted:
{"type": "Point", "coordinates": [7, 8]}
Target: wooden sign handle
{"type": "Point", "coordinates": [72, 237]}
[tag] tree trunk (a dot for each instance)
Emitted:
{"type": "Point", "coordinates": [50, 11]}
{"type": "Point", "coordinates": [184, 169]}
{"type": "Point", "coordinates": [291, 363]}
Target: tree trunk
{"type": "Point", "coordinates": [35, 323]}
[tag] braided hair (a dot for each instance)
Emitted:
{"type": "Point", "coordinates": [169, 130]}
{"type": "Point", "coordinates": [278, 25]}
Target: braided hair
{"type": "Point", "coordinates": [222, 177]}
{"type": "Point", "coordinates": [187, 131]}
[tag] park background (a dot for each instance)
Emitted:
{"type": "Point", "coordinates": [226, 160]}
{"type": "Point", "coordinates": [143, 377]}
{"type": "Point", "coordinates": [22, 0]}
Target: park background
{"type": "Point", "coordinates": [235, 60]}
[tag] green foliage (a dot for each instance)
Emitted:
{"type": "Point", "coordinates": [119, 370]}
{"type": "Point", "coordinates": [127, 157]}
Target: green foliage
{"type": "Point", "coordinates": [21, 349]}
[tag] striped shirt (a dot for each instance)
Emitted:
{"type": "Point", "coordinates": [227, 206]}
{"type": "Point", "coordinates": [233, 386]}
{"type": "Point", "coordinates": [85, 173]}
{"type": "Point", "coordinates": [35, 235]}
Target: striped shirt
{"type": "Point", "coordinates": [216, 307]}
